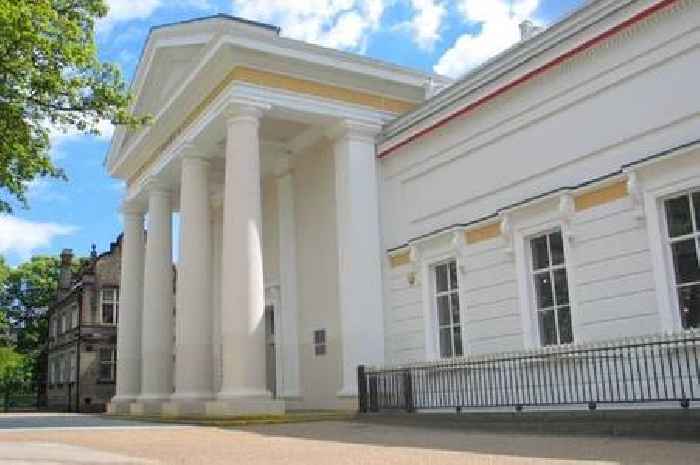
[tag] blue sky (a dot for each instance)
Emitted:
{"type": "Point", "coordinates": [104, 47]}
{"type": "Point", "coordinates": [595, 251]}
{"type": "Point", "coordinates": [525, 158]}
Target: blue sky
{"type": "Point", "coordinates": [445, 36]}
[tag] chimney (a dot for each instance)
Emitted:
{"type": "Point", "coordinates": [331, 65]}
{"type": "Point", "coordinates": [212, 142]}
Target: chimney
{"type": "Point", "coordinates": [65, 277]}
{"type": "Point", "coordinates": [528, 29]}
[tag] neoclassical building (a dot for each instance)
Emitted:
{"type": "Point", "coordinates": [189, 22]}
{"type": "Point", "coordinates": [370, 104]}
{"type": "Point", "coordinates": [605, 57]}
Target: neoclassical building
{"type": "Point", "coordinates": [337, 211]}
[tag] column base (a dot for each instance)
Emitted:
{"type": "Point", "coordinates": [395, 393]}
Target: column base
{"type": "Point", "coordinates": [347, 391]}
{"type": "Point", "coordinates": [146, 407]}
{"type": "Point", "coordinates": [184, 407]}
{"type": "Point", "coordinates": [119, 406]}
{"type": "Point", "coordinates": [244, 406]}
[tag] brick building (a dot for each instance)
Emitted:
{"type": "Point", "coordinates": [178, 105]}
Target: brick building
{"type": "Point", "coordinates": [83, 321]}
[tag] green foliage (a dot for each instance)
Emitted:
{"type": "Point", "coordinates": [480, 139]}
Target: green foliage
{"type": "Point", "coordinates": [15, 372]}
{"type": "Point", "coordinates": [30, 286]}
{"type": "Point", "coordinates": [4, 274]}
{"type": "Point", "coordinates": [50, 76]}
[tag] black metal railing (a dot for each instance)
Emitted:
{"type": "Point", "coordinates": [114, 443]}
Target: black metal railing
{"type": "Point", "coordinates": [663, 368]}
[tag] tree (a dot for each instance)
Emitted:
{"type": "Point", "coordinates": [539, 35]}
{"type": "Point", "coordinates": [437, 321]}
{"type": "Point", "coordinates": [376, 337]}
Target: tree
{"type": "Point", "coordinates": [15, 374]}
{"type": "Point", "coordinates": [51, 77]}
{"type": "Point", "coordinates": [4, 274]}
{"type": "Point", "coordinates": [28, 291]}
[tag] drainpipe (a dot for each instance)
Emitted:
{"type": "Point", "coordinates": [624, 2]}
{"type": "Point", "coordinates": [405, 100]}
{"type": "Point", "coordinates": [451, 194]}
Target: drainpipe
{"type": "Point", "coordinates": [77, 354]}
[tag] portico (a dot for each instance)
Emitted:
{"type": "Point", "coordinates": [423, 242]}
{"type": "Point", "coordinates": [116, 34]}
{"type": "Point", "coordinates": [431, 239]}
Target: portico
{"type": "Point", "coordinates": [274, 178]}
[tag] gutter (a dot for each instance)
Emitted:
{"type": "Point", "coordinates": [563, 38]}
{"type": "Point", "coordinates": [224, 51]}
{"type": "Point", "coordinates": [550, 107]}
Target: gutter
{"type": "Point", "coordinates": [532, 74]}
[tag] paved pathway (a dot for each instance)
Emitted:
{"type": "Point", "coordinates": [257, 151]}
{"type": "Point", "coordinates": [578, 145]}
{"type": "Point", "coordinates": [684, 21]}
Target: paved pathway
{"type": "Point", "coordinates": [87, 440]}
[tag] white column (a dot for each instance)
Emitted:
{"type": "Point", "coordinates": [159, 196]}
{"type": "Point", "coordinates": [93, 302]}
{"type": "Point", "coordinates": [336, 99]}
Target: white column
{"type": "Point", "coordinates": [194, 351]}
{"type": "Point", "coordinates": [131, 301]}
{"type": "Point", "coordinates": [359, 251]}
{"type": "Point", "coordinates": [157, 325]}
{"type": "Point", "coordinates": [242, 291]}
{"type": "Point", "coordinates": [288, 343]}
{"type": "Point", "coordinates": [216, 238]}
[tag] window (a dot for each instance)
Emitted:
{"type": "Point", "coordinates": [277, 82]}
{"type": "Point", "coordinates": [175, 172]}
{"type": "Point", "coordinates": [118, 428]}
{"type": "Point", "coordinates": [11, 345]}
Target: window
{"type": "Point", "coordinates": [68, 359]}
{"type": "Point", "coordinates": [73, 367]}
{"type": "Point", "coordinates": [110, 305]}
{"type": "Point", "coordinates": [107, 365]}
{"type": "Point", "coordinates": [551, 289]}
{"type": "Point", "coordinates": [52, 372]}
{"type": "Point", "coordinates": [54, 327]}
{"type": "Point", "coordinates": [447, 307]}
{"type": "Point", "coordinates": [74, 317]}
{"type": "Point", "coordinates": [61, 370]}
{"type": "Point", "coordinates": [684, 242]}
{"type": "Point", "coordinates": [319, 342]}
{"type": "Point", "coordinates": [64, 324]}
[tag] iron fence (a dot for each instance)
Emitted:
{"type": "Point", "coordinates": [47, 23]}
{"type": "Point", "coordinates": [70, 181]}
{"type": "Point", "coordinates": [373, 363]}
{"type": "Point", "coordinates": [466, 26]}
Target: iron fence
{"type": "Point", "coordinates": [663, 368]}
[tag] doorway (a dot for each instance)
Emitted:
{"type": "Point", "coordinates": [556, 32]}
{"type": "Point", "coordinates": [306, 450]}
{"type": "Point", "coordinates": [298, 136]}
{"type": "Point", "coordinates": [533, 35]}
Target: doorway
{"type": "Point", "coordinates": [270, 350]}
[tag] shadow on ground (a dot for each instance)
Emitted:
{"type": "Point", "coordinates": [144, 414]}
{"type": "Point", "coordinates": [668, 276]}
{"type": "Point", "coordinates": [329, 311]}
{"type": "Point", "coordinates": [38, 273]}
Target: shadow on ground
{"type": "Point", "coordinates": [564, 449]}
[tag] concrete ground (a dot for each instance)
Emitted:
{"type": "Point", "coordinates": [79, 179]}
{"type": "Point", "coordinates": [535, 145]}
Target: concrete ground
{"type": "Point", "coordinates": [60, 439]}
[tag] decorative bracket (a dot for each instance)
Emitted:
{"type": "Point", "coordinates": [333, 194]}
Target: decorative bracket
{"type": "Point", "coordinates": [634, 189]}
{"type": "Point", "coordinates": [414, 256]}
{"type": "Point", "coordinates": [507, 233]}
{"type": "Point", "coordinates": [567, 210]}
{"type": "Point", "coordinates": [458, 246]}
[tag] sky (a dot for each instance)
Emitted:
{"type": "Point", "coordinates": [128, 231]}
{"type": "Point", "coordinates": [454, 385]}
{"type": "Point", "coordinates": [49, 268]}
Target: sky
{"type": "Point", "coordinates": [447, 37]}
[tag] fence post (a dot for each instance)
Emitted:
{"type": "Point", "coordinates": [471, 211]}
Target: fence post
{"type": "Point", "coordinates": [373, 393]}
{"type": "Point", "coordinates": [361, 389]}
{"type": "Point", "coordinates": [408, 391]}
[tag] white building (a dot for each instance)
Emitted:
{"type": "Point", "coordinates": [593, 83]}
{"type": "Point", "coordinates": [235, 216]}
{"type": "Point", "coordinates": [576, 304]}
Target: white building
{"type": "Point", "coordinates": [331, 216]}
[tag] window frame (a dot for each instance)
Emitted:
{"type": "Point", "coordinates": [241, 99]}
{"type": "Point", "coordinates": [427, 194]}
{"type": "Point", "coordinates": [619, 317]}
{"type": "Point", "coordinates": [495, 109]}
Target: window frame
{"type": "Point", "coordinates": [114, 302]}
{"type": "Point", "coordinates": [320, 348]}
{"type": "Point", "coordinates": [112, 362]}
{"type": "Point", "coordinates": [435, 295]}
{"type": "Point", "coordinates": [672, 283]}
{"type": "Point", "coordinates": [74, 316]}
{"type": "Point", "coordinates": [530, 276]}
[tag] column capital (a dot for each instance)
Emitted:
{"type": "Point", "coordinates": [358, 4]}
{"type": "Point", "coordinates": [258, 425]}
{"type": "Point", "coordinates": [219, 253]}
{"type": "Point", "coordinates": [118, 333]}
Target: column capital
{"type": "Point", "coordinates": [131, 208]}
{"type": "Point", "coordinates": [216, 200]}
{"type": "Point", "coordinates": [237, 111]}
{"type": "Point", "coordinates": [155, 186]}
{"type": "Point", "coordinates": [283, 165]}
{"type": "Point", "coordinates": [189, 151]}
{"type": "Point", "coordinates": [353, 129]}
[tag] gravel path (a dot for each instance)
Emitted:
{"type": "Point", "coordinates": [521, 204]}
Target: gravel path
{"type": "Point", "coordinates": [57, 440]}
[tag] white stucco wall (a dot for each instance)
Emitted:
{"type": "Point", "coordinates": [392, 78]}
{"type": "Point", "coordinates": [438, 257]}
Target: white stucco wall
{"type": "Point", "coordinates": [617, 104]}
{"type": "Point", "coordinates": [317, 279]}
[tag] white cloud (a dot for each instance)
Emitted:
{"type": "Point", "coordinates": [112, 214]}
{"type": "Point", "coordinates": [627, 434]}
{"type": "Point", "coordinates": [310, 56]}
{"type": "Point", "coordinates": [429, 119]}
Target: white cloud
{"type": "Point", "coordinates": [342, 24]}
{"type": "Point", "coordinates": [126, 10]}
{"type": "Point", "coordinates": [23, 237]}
{"type": "Point", "coordinates": [499, 21]}
{"type": "Point", "coordinates": [426, 22]}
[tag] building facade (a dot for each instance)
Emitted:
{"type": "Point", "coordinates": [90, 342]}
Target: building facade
{"type": "Point", "coordinates": [338, 211]}
{"type": "Point", "coordinates": [81, 367]}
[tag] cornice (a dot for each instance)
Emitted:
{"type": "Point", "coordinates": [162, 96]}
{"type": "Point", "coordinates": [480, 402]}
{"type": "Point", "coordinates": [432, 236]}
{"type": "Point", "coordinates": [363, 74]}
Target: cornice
{"type": "Point", "coordinates": [574, 35]}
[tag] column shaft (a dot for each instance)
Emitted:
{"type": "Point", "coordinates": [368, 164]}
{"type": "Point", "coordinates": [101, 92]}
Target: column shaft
{"type": "Point", "coordinates": [131, 300]}
{"type": "Point", "coordinates": [288, 313]}
{"type": "Point", "coordinates": [242, 292]}
{"type": "Point", "coordinates": [194, 350]}
{"type": "Point", "coordinates": [157, 322]}
{"type": "Point", "coordinates": [359, 255]}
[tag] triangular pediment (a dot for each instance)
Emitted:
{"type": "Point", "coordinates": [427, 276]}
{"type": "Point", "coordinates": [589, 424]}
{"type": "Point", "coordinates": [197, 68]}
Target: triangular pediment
{"type": "Point", "coordinates": [169, 68]}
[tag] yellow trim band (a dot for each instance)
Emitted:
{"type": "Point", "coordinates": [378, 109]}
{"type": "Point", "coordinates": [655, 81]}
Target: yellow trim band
{"type": "Point", "coordinates": [400, 259]}
{"type": "Point", "coordinates": [601, 196]}
{"type": "Point", "coordinates": [317, 89]}
{"type": "Point", "coordinates": [483, 233]}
